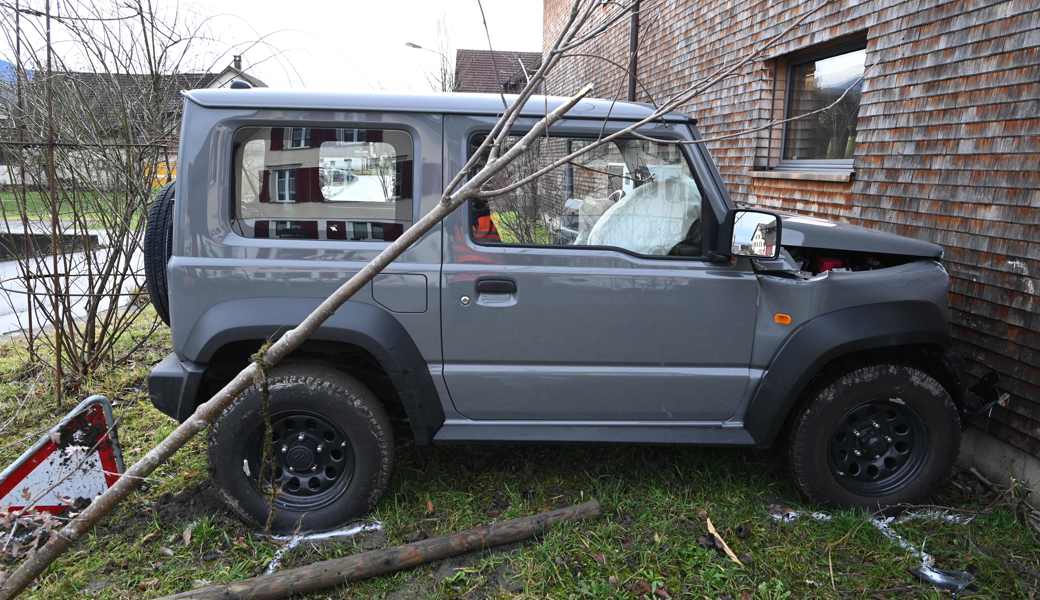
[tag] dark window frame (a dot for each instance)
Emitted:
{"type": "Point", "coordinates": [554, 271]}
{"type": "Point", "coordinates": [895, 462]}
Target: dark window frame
{"type": "Point", "coordinates": [708, 220]}
{"type": "Point", "coordinates": [843, 45]}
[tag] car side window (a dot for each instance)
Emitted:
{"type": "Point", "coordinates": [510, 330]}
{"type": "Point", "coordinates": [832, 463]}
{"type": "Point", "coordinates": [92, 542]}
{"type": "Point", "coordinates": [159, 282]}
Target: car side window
{"type": "Point", "coordinates": [635, 195]}
{"type": "Point", "coordinates": [323, 183]}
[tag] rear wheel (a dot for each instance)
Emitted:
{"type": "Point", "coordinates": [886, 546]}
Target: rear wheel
{"type": "Point", "coordinates": [329, 456]}
{"type": "Point", "coordinates": [877, 435]}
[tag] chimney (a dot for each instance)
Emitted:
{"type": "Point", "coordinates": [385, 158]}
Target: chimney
{"type": "Point", "coordinates": [237, 62]}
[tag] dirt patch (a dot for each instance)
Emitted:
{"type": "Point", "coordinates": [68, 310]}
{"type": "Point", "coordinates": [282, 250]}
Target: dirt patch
{"type": "Point", "coordinates": [461, 577]}
{"type": "Point", "coordinates": [189, 503]}
{"type": "Point", "coordinates": [170, 508]}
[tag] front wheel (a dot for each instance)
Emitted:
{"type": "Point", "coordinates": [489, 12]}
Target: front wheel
{"type": "Point", "coordinates": [875, 436]}
{"type": "Point", "coordinates": [327, 457]}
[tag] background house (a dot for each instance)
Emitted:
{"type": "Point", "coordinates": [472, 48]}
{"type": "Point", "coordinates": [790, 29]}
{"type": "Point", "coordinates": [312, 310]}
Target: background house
{"type": "Point", "coordinates": [493, 71]}
{"type": "Point", "coordinates": [103, 98]}
{"type": "Point", "coordinates": [938, 138]}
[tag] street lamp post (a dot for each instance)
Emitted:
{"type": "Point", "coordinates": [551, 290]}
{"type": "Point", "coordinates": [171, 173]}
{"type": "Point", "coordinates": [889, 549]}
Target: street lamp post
{"type": "Point", "coordinates": [445, 79]}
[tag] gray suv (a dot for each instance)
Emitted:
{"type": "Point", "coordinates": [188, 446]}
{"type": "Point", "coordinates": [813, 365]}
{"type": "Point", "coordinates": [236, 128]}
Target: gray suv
{"type": "Point", "coordinates": [620, 298]}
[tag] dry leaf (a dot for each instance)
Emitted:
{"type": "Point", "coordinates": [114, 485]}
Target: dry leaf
{"type": "Point", "coordinates": [429, 507]}
{"type": "Point", "coordinates": [186, 535]}
{"type": "Point", "coordinates": [166, 551]}
{"type": "Point", "coordinates": [722, 542]}
{"type": "Point", "coordinates": [148, 584]}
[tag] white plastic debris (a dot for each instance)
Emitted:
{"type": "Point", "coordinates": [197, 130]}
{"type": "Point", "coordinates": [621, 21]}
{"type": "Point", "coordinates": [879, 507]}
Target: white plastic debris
{"type": "Point", "coordinates": [955, 581]}
{"type": "Point", "coordinates": [292, 541]}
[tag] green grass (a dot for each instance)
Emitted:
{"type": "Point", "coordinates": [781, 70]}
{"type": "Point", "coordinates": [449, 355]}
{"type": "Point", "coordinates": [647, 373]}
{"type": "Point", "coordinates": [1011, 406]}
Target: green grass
{"type": "Point", "coordinates": [36, 204]}
{"type": "Point", "coordinates": [654, 500]}
{"type": "Point", "coordinates": [506, 222]}
{"type": "Point", "coordinates": [38, 208]}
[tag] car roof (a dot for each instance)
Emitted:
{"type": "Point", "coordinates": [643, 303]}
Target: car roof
{"type": "Point", "coordinates": [445, 103]}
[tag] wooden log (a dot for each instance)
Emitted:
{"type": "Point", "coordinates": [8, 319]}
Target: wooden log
{"type": "Point", "coordinates": [329, 573]}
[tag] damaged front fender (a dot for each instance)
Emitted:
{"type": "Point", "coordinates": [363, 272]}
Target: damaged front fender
{"type": "Point", "coordinates": [818, 342]}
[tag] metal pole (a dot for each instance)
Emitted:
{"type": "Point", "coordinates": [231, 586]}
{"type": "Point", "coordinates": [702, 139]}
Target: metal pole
{"type": "Point", "coordinates": [23, 207]}
{"type": "Point", "coordinates": [59, 320]}
{"type": "Point", "coordinates": [633, 49]}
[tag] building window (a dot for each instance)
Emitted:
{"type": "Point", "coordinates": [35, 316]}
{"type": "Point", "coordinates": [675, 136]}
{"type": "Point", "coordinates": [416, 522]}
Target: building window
{"type": "Point", "coordinates": [347, 184]}
{"type": "Point", "coordinates": [284, 185]}
{"type": "Point", "coordinates": [297, 137]}
{"type": "Point", "coordinates": [827, 138]}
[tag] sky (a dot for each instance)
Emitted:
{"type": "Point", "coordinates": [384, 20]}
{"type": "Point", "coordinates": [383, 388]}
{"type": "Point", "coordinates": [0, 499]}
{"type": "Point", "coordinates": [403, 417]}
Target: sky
{"type": "Point", "coordinates": [354, 45]}
{"type": "Point", "coordinates": [347, 45]}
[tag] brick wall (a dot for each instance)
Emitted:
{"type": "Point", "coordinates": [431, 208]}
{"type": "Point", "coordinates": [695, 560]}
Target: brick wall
{"type": "Point", "coordinates": [948, 145]}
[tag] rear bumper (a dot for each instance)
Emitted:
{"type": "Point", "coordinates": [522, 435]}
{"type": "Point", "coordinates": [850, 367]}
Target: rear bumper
{"type": "Point", "coordinates": [173, 386]}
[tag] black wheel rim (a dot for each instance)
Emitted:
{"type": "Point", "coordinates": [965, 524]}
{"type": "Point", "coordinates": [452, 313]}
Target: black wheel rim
{"type": "Point", "coordinates": [877, 447]}
{"type": "Point", "coordinates": [312, 461]}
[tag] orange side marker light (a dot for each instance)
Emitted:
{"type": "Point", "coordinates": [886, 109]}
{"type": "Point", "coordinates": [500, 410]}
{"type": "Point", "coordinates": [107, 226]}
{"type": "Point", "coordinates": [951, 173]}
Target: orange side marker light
{"type": "Point", "coordinates": [782, 319]}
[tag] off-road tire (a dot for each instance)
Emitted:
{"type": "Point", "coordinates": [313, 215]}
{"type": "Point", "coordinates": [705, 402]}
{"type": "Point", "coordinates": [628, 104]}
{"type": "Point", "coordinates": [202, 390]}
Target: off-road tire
{"type": "Point", "coordinates": [158, 246]}
{"type": "Point", "coordinates": [900, 387]}
{"type": "Point", "coordinates": [336, 397]}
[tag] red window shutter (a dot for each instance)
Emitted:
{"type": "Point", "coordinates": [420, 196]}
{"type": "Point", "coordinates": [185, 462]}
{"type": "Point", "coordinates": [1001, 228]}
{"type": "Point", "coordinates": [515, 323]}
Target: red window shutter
{"type": "Point", "coordinates": [308, 230]}
{"type": "Point", "coordinates": [277, 138]}
{"type": "Point", "coordinates": [392, 231]}
{"type": "Point", "coordinates": [308, 185]}
{"type": "Point", "coordinates": [404, 178]}
{"type": "Point", "coordinates": [320, 136]}
{"type": "Point", "coordinates": [265, 180]}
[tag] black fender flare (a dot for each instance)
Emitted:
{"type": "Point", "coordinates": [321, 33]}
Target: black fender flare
{"type": "Point", "coordinates": [363, 325]}
{"type": "Point", "coordinates": [830, 336]}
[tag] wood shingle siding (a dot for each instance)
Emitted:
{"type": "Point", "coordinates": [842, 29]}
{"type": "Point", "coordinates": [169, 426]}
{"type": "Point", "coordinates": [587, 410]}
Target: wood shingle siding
{"type": "Point", "coordinates": [947, 146]}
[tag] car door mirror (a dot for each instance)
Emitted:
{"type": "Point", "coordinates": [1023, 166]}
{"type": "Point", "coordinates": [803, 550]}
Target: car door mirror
{"type": "Point", "coordinates": [755, 234]}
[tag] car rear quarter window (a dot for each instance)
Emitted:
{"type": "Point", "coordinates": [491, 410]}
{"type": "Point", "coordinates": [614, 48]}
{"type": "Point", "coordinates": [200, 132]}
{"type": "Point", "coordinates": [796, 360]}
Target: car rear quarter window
{"type": "Point", "coordinates": [317, 183]}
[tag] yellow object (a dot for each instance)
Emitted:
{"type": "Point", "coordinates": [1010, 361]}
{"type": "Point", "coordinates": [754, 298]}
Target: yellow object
{"type": "Point", "coordinates": [782, 319]}
{"type": "Point", "coordinates": [163, 172]}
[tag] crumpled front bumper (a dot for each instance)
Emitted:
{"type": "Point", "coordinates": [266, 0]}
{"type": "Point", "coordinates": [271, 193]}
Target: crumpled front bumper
{"type": "Point", "coordinates": [981, 395]}
{"type": "Point", "coordinates": [173, 386]}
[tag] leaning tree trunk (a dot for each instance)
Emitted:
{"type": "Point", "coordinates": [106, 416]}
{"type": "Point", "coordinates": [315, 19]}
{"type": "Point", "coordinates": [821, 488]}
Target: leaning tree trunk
{"type": "Point", "coordinates": [208, 411]}
{"type": "Point", "coordinates": [458, 190]}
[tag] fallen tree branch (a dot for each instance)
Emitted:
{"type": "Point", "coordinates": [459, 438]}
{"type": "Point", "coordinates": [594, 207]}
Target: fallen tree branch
{"type": "Point", "coordinates": [337, 571]}
{"type": "Point", "coordinates": [208, 411]}
{"type": "Point", "coordinates": [467, 184]}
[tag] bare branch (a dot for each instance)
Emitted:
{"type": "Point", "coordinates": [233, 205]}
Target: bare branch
{"type": "Point", "coordinates": [468, 184]}
{"type": "Point", "coordinates": [670, 105]}
{"type": "Point", "coordinates": [744, 132]}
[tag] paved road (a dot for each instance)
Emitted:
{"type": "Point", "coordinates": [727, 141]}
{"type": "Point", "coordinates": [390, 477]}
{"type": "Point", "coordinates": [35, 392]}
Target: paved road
{"type": "Point", "coordinates": [14, 306]}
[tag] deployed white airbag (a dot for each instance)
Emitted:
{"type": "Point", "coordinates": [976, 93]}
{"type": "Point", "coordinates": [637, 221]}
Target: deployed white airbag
{"type": "Point", "coordinates": [650, 219]}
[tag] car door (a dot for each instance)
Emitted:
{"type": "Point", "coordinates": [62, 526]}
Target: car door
{"type": "Point", "coordinates": [575, 299]}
